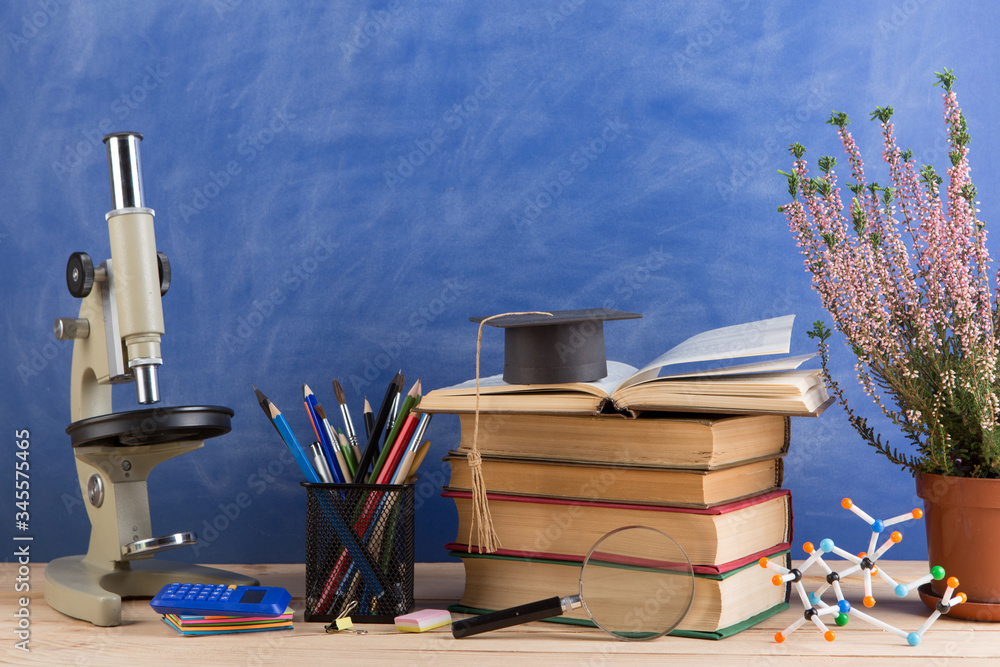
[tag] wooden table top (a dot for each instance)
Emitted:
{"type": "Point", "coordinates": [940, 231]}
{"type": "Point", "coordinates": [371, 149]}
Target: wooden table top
{"type": "Point", "coordinates": [143, 639]}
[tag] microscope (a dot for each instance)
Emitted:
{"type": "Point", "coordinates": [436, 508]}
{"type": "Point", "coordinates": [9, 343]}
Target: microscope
{"type": "Point", "coordinates": [117, 340]}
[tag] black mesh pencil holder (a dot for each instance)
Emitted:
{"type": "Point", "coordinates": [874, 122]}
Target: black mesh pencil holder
{"type": "Point", "coordinates": [359, 548]}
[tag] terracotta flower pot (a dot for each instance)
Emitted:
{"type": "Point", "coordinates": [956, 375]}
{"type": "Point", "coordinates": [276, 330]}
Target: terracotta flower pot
{"type": "Point", "coordinates": [962, 516]}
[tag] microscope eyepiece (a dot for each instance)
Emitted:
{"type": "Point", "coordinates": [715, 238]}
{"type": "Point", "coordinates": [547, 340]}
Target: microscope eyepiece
{"type": "Point", "coordinates": [125, 170]}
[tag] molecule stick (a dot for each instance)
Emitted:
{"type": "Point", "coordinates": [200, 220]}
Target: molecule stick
{"type": "Point", "coordinates": [813, 603]}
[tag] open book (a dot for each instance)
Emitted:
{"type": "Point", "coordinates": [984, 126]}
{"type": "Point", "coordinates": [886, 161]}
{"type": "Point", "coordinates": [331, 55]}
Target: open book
{"type": "Point", "coordinates": [775, 386]}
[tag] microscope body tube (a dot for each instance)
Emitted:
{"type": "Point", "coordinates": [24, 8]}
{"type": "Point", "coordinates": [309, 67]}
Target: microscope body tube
{"type": "Point", "coordinates": [136, 272]}
{"type": "Point", "coordinates": [137, 293]}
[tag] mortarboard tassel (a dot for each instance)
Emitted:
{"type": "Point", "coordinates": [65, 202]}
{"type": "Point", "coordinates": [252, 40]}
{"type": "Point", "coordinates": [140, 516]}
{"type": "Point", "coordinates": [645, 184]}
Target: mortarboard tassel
{"type": "Point", "coordinates": [488, 540]}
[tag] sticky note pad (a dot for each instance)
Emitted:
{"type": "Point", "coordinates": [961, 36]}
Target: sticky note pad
{"type": "Point", "coordinates": [425, 619]}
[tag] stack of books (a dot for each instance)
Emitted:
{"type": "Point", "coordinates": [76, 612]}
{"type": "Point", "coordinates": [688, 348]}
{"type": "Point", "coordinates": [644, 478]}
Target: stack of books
{"type": "Point", "coordinates": [699, 459]}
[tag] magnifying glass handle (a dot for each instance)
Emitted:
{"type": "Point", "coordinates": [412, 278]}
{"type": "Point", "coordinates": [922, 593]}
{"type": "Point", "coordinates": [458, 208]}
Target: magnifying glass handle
{"type": "Point", "coordinates": [525, 613]}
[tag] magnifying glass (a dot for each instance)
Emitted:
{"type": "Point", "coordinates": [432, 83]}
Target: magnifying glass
{"type": "Point", "coordinates": [636, 583]}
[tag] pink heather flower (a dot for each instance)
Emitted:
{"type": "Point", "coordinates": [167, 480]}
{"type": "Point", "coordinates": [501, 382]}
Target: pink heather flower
{"type": "Point", "coordinates": [904, 271]}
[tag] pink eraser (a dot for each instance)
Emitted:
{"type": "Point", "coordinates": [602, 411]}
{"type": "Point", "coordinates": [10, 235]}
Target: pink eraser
{"type": "Point", "coordinates": [425, 619]}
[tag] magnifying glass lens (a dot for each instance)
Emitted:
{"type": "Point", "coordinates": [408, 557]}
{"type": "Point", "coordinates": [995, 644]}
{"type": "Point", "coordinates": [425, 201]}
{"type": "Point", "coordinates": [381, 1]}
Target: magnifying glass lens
{"type": "Point", "coordinates": [637, 583]}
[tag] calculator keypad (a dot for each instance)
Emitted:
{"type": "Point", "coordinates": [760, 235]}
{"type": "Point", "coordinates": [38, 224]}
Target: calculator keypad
{"type": "Point", "coordinates": [177, 592]}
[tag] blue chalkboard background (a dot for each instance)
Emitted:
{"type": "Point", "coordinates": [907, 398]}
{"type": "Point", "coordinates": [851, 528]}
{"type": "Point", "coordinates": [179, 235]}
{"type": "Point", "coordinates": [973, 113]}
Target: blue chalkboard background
{"type": "Point", "coordinates": [340, 186]}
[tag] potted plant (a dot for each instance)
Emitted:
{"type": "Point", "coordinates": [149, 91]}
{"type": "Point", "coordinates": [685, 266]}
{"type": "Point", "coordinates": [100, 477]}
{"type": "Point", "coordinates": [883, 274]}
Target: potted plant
{"type": "Point", "coordinates": [903, 270]}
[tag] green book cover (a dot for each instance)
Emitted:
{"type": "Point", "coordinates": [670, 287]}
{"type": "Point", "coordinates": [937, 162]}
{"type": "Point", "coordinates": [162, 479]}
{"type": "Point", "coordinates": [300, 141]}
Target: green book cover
{"type": "Point", "coordinates": [720, 633]}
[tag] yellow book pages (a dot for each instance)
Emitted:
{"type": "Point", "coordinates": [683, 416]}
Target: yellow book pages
{"type": "Point", "coordinates": [709, 537]}
{"type": "Point", "coordinates": [682, 441]}
{"type": "Point", "coordinates": [620, 483]}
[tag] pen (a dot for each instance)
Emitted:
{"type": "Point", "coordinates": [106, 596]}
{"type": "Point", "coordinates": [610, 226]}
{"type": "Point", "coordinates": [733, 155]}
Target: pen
{"type": "Point", "coordinates": [319, 461]}
{"type": "Point", "coordinates": [346, 466]}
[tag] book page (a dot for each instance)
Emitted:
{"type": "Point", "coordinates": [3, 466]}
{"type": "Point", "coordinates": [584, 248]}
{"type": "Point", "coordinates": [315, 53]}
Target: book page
{"type": "Point", "coordinates": [771, 336]}
{"type": "Point", "coordinates": [780, 364]}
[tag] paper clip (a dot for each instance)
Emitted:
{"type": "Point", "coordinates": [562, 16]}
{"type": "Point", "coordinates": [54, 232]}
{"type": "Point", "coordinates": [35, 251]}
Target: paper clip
{"type": "Point", "coordinates": [343, 622]}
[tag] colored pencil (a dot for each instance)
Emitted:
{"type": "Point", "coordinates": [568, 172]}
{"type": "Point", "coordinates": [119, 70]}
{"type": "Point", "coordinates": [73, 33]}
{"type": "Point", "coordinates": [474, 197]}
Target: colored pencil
{"type": "Point", "coordinates": [285, 431]}
{"type": "Point", "coordinates": [351, 454]}
{"type": "Point", "coordinates": [385, 475]}
{"type": "Point", "coordinates": [309, 399]}
{"type": "Point", "coordinates": [417, 460]}
{"type": "Point", "coordinates": [265, 406]}
{"type": "Point", "coordinates": [369, 419]}
{"type": "Point", "coordinates": [403, 469]}
{"type": "Point", "coordinates": [412, 397]}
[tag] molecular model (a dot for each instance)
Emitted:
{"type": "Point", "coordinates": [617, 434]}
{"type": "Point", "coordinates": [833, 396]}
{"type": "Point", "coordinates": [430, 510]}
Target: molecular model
{"type": "Point", "coordinates": [816, 608]}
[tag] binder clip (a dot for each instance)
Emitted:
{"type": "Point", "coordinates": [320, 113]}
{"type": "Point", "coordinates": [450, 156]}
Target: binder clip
{"type": "Point", "coordinates": [343, 622]}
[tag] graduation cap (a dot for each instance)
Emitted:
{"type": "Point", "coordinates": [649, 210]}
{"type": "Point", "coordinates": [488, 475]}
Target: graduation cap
{"type": "Point", "coordinates": [566, 346]}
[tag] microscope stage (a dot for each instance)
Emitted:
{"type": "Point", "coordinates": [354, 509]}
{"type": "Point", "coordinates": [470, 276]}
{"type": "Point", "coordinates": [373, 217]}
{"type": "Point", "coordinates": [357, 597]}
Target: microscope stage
{"type": "Point", "coordinates": [152, 426]}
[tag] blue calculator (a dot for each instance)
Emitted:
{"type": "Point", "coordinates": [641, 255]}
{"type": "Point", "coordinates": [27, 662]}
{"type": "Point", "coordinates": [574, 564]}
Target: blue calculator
{"type": "Point", "coordinates": [221, 600]}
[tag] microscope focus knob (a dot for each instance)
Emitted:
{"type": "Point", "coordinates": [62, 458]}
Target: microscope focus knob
{"type": "Point", "coordinates": [163, 264]}
{"type": "Point", "coordinates": [79, 274]}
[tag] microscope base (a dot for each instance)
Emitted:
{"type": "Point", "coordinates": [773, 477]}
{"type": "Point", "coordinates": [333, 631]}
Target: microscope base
{"type": "Point", "coordinates": [86, 591]}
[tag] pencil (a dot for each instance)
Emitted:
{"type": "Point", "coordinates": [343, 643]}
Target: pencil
{"type": "Point", "coordinates": [371, 448]}
{"type": "Point", "coordinates": [309, 399]}
{"type": "Point", "coordinates": [403, 469]}
{"type": "Point", "coordinates": [265, 406]}
{"type": "Point", "coordinates": [412, 397]}
{"type": "Point", "coordinates": [351, 454]}
{"type": "Point", "coordinates": [388, 470]}
{"type": "Point", "coordinates": [285, 431]}
{"type": "Point", "coordinates": [369, 419]}
{"type": "Point", "coordinates": [417, 460]}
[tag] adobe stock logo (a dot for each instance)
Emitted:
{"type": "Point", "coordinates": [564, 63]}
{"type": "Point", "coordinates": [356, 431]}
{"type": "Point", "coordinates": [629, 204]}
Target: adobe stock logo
{"type": "Point", "coordinates": [546, 192]}
{"type": "Point", "coordinates": [249, 149]}
{"type": "Point", "coordinates": [456, 116]}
